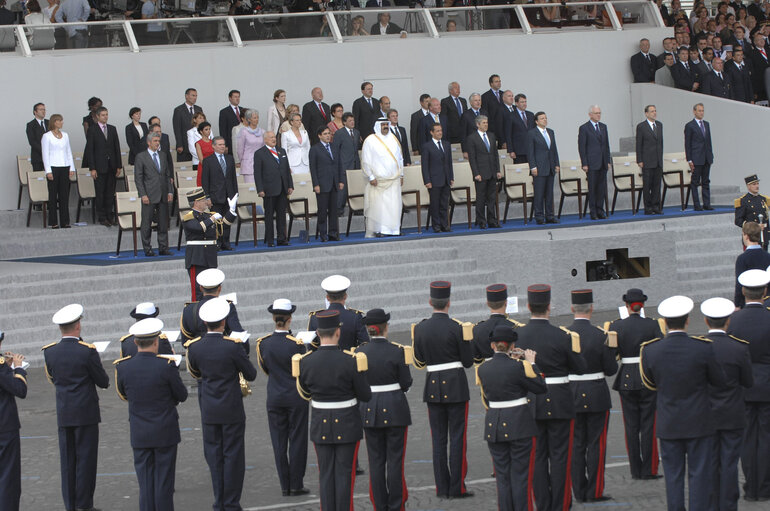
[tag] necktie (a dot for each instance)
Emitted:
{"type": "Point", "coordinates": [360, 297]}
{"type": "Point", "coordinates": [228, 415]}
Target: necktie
{"type": "Point", "coordinates": [647, 57]}
{"type": "Point", "coordinates": [720, 76]}
{"type": "Point", "coordinates": [369, 100]}
{"type": "Point", "coordinates": [686, 66]}
{"type": "Point", "coordinates": [192, 112]}
{"type": "Point", "coordinates": [157, 162]}
{"type": "Point", "coordinates": [438, 143]}
{"type": "Point", "coordinates": [524, 117]}
{"type": "Point", "coordinates": [598, 132]}
{"type": "Point", "coordinates": [652, 127]}
{"type": "Point", "coordinates": [435, 118]}
{"type": "Point", "coordinates": [459, 106]}
{"type": "Point", "coordinates": [702, 128]}
{"type": "Point", "coordinates": [321, 108]}
{"type": "Point", "coordinates": [223, 164]}
{"type": "Point", "coordinates": [762, 51]}
{"type": "Point", "coordinates": [547, 138]}
{"type": "Point", "coordinates": [275, 154]}
{"type": "Point", "coordinates": [497, 95]}
{"type": "Point", "coordinates": [328, 148]}
{"type": "Point", "coordinates": [42, 125]}
{"type": "Point", "coordinates": [486, 141]}
{"type": "Point", "coordinates": [104, 130]}
{"type": "Point", "coordinates": [475, 113]}
{"type": "Point", "coordinates": [237, 112]}
{"type": "Point", "coordinates": [395, 132]}
{"type": "Point", "coordinates": [351, 134]}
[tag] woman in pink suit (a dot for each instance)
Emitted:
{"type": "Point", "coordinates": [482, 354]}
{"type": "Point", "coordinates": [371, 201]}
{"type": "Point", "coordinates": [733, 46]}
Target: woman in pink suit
{"type": "Point", "coordinates": [250, 138]}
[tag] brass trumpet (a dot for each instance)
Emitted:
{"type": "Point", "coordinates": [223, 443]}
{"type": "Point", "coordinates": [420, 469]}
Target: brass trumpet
{"type": "Point", "coordinates": [245, 389]}
{"type": "Point", "coordinates": [516, 353]}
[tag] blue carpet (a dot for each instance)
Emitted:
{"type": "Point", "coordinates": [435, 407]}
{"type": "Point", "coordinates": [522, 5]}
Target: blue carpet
{"type": "Point", "coordinates": [458, 229]}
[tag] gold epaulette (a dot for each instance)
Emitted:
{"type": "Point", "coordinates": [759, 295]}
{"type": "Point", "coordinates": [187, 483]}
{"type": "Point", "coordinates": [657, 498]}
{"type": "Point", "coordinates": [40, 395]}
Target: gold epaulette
{"type": "Point", "coordinates": [737, 202]}
{"type": "Point", "coordinates": [574, 336]}
{"type": "Point", "coordinates": [516, 324]}
{"type": "Point", "coordinates": [124, 337]}
{"type": "Point", "coordinates": [361, 361]}
{"type": "Point", "coordinates": [650, 341]}
{"type": "Point", "coordinates": [612, 339]}
{"type": "Point", "coordinates": [118, 361]}
{"type": "Point", "coordinates": [357, 311]}
{"type": "Point", "coordinates": [528, 371]}
{"type": "Point", "coordinates": [232, 339]}
{"type": "Point", "coordinates": [167, 357]}
{"type": "Point", "coordinates": [87, 345]}
{"type": "Point", "coordinates": [662, 325]}
{"type": "Point", "coordinates": [607, 326]}
{"type": "Point", "coordinates": [478, 380]}
{"type": "Point", "coordinates": [701, 338]}
{"type": "Point", "coordinates": [767, 199]}
{"type": "Point", "coordinates": [738, 339]}
{"type": "Point", "coordinates": [188, 216]}
{"type": "Point", "coordinates": [265, 337]}
{"type": "Point", "coordinates": [163, 336]}
{"type": "Point", "coordinates": [2, 360]}
{"type": "Point", "coordinates": [48, 346]}
{"type": "Point", "coordinates": [408, 355]}
{"type": "Point", "coordinates": [188, 343]}
{"type": "Point", "coordinates": [467, 329]}
{"type": "Point", "coordinates": [313, 313]}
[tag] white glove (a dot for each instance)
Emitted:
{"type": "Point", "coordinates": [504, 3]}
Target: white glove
{"type": "Point", "coordinates": [216, 216]}
{"type": "Point", "coordinates": [233, 203]}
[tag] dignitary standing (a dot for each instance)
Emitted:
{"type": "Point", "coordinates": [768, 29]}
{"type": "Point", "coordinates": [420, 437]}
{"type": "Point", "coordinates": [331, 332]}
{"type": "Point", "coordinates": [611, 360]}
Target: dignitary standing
{"type": "Point", "coordinates": [481, 146]}
{"type": "Point", "coordinates": [182, 121]}
{"type": "Point", "coordinates": [13, 384]}
{"type": "Point", "coordinates": [153, 388]}
{"type": "Point", "coordinates": [442, 346]}
{"type": "Point", "coordinates": [435, 116]}
{"type": "Point", "coordinates": [59, 167]}
{"type": "Point", "coordinates": [366, 110]}
{"type": "Point", "coordinates": [104, 161]}
{"type": "Point", "coordinates": [35, 130]}
{"type": "Point", "coordinates": [400, 133]}
{"type": "Point", "coordinates": [753, 207]}
{"type": "Point", "coordinates": [272, 176]}
{"type": "Point", "coordinates": [519, 122]}
{"type": "Point", "coordinates": [649, 157]}
{"type": "Point", "coordinates": [142, 311]}
{"type": "Point", "coordinates": [596, 160]}
{"type": "Point", "coordinates": [353, 330]}
{"type": "Point", "coordinates": [73, 367]}
{"type": "Point", "coordinates": [415, 123]}
{"type": "Point", "coordinates": [220, 185]}
{"type": "Point", "coordinates": [543, 158]}
{"type": "Point", "coordinates": [346, 143]}
{"type": "Point", "coordinates": [454, 106]}
{"type": "Point", "coordinates": [497, 301]}
{"type": "Point", "coordinates": [229, 118]}
{"type": "Point", "coordinates": [315, 114]}
{"type": "Point", "coordinates": [491, 102]}
{"type": "Point", "coordinates": [699, 154]}
{"type": "Point", "coordinates": [383, 166]}
{"type": "Point", "coordinates": [326, 172]}
{"type": "Point", "coordinates": [155, 186]}
{"type": "Point", "coordinates": [438, 177]}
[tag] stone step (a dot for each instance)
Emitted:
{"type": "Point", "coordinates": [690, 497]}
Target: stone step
{"type": "Point", "coordinates": [703, 272]}
{"type": "Point", "coordinates": [690, 260]}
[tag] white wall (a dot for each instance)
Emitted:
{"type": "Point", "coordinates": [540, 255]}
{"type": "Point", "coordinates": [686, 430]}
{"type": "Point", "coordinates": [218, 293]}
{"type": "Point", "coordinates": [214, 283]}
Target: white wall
{"type": "Point", "coordinates": [561, 74]}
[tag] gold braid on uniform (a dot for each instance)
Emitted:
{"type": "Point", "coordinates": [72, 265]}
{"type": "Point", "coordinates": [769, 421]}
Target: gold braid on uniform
{"type": "Point", "coordinates": [45, 364]}
{"type": "Point", "coordinates": [419, 364]}
{"type": "Point", "coordinates": [117, 387]}
{"type": "Point", "coordinates": [646, 381]}
{"type": "Point", "coordinates": [295, 371]}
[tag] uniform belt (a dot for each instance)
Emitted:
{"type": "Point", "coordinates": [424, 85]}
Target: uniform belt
{"type": "Point", "coordinates": [334, 405]}
{"type": "Point", "coordinates": [385, 388]}
{"type": "Point", "coordinates": [508, 404]}
{"type": "Point", "coordinates": [202, 242]}
{"type": "Point", "coordinates": [444, 367]}
{"type": "Point", "coordinates": [586, 377]}
{"type": "Point", "coordinates": [630, 360]}
{"type": "Point", "coordinates": [556, 380]}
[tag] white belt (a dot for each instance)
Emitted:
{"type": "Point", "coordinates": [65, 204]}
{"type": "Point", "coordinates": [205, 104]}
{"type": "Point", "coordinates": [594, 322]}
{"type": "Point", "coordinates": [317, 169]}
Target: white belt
{"type": "Point", "coordinates": [385, 388]}
{"type": "Point", "coordinates": [202, 242]}
{"type": "Point", "coordinates": [444, 367]}
{"type": "Point", "coordinates": [586, 377]}
{"type": "Point", "coordinates": [334, 405]}
{"type": "Point", "coordinates": [630, 360]}
{"type": "Point", "coordinates": [508, 404]}
{"type": "Point", "coordinates": [556, 380]}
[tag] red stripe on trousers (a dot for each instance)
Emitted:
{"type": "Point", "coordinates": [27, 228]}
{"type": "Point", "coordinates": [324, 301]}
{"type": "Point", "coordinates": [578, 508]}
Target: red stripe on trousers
{"type": "Point", "coordinates": [192, 281]}
{"type": "Point", "coordinates": [602, 455]}
{"type": "Point", "coordinates": [568, 481]}
{"type": "Point", "coordinates": [465, 446]}
{"type": "Point", "coordinates": [353, 475]}
{"type": "Point", "coordinates": [654, 464]}
{"type": "Point", "coordinates": [404, 491]}
{"type": "Point", "coordinates": [531, 476]}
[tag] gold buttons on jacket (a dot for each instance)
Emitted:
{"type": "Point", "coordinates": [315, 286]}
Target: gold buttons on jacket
{"type": "Point", "coordinates": [584, 395]}
{"type": "Point", "coordinates": [549, 413]}
{"type": "Point", "coordinates": [336, 420]}
{"type": "Point", "coordinates": [323, 438]}
{"type": "Point", "coordinates": [324, 421]}
{"type": "Point", "coordinates": [505, 425]}
{"type": "Point", "coordinates": [339, 438]}
{"type": "Point", "coordinates": [384, 410]}
{"type": "Point", "coordinates": [433, 381]}
{"type": "Point", "coordinates": [548, 400]}
{"type": "Point", "coordinates": [431, 396]}
{"type": "Point", "coordinates": [443, 382]}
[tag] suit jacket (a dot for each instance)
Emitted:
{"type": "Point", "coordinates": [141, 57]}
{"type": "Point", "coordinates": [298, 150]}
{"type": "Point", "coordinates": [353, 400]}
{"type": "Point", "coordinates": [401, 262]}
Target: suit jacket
{"type": "Point", "coordinates": [404, 141]}
{"type": "Point", "coordinates": [758, 66]}
{"type": "Point", "coordinates": [701, 69]}
{"type": "Point", "coordinates": [227, 121]}
{"type": "Point", "coordinates": [155, 185]}
{"type": "Point", "coordinates": [34, 135]}
{"type": "Point", "coordinates": [732, 354]}
{"type": "Point", "coordinates": [684, 77]}
{"type": "Point", "coordinates": [134, 141]}
{"type": "Point", "coordinates": [491, 104]}
{"type": "Point", "coordinates": [219, 186]}
{"type": "Point", "coordinates": [181, 122]}
{"type": "Point", "coordinates": [392, 28]}
{"type": "Point", "coordinates": [270, 175]}
{"type": "Point", "coordinates": [649, 145]}
{"type": "Point", "coordinates": [594, 149]}
{"type": "Point", "coordinates": [415, 125]}
{"type": "Point", "coordinates": [516, 131]}
{"type": "Point", "coordinates": [539, 155]}
{"type": "Point", "coordinates": [752, 324]}
{"type": "Point", "coordinates": [698, 147]}
{"type": "Point", "coordinates": [274, 353]}
{"type": "Point", "coordinates": [103, 153]}
{"type": "Point", "coordinates": [365, 116]}
{"type": "Point", "coordinates": [632, 333]}
{"type": "Point", "coordinates": [347, 147]}
{"type": "Point", "coordinates": [425, 125]}
{"type": "Point", "coordinates": [312, 119]}
{"type": "Point", "coordinates": [391, 408]}
{"type": "Point", "coordinates": [468, 121]}
{"type": "Point", "coordinates": [643, 69]}
{"type": "Point", "coordinates": [165, 149]}
{"type": "Point", "coordinates": [484, 163]}
{"type": "Point", "coordinates": [454, 118]}
{"type": "Point", "coordinates": [325, 171]}
{"type": "Point", "coordinates": [13, 384]}
{"type": "Point", "coordinates": [437, 166]}
{"type": "Point", "coordinates": [9, 18]}
{"type": "Point", "coordinates": [714, 86]}
{"type": "Point", "coordinates": [741, 81]}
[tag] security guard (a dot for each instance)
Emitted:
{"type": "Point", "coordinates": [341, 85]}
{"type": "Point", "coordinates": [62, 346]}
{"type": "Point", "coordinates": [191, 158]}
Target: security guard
{"type": "Point", "coordinates": [637, 402]}
{"type": "Point", "coordinates": [201, 230]}
{"type": "Point", "coordinates": [13, 384]}
{"type": "Point", "coordinates": [680, 369]}
{"type": "Point", "coordinates": [592, 401]}
{"type": "Point", "coordinates": [353, 328]}
{"type": "Point", "coordinates": [509, 427]}
{"type": "Point", "coordinates": [386, 416]}
{"type": "Point", "coordinates": [752, 324]}
{"type": "Point", "coordinates": [153, 388]}
{"type": "Point", "coordinates": [216, 361]}
{"type": "Point", "coordinates": [727, 403]}
{"type": "Point", "coordinates": [558, 354]}
{"type": "Point", "coordinates": [287, 413]}
{"type": "Point", "coordinates": [751, 205]}
{"type": "Point", "coordinates": [497, 301]}
{"type": "Point", "coordinates": [74, 368]}
{"type": "Point", "coordinates": [143, 311]}
{"type": "Point", "coordinates": [335, 381]}
{"type": "Point", "coordinates": [442, 345]}
{"type": "Point", "coordinates": [190, 322]}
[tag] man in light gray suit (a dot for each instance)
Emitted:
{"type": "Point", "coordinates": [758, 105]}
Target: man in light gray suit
{"type": "Point", "coordinates": [649, 157]}
{"type": "Point", "coordinates": [347, 141]}
{"type": "Point", "coordinates": [543, 159]}
{"type": "Point", "coordinates": [154, 186]}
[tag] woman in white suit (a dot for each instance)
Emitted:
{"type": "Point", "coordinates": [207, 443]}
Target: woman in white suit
{"type": "Point", "coordinates": [296, 142]}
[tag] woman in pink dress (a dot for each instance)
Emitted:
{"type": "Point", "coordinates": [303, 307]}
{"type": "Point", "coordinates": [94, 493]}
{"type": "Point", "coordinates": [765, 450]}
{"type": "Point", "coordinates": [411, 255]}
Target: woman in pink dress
{"type": "Point", "coordinates": [250, 139]}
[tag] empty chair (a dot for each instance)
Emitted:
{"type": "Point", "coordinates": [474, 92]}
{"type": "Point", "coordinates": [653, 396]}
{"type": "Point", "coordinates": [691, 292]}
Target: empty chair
{"type": "Point", "coordinates": [414, 194]}
{"type": "Point", "coordinates": [518, 187]}
{"type": "Point", "coordinates": [302, 203]}
{"type": "Point", "coordinates": [250, 209]}
{"type": "Point", "coordinates": [627, 178]}
{"type": "Point", "coordinates": [24, 167]}
{"type": "Point", "coordinates": [128, 209]}
{"type": "Point", "coordinates": [573, 182]}
{"type": "Point", "coordinates": [186, 178]}
{"type": "Point", "coordinates": [356, 187]}
{"type": "Point", "coordinates": [37, 185]}
{"type": "Point", "coordinates": [676, 174]}
{"type": "Point", "coordinates": [86, 193]}
{"type": "Point", "coordinates": [463, 190]}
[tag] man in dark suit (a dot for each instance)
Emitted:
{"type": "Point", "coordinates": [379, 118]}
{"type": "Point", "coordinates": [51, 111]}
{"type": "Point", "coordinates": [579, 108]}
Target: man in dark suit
{"type": "Point", "coordinates": [717, 82]}
{"type": "Point", "coordinates": [415, 123]}
{"type": "Point", "coordinates": [649, 157]}
{"type": "Point", "coordinates": [740, 76]}
{"type": "Point", "coordinates": [315, 114]}
{"type": "Point", "coordinates": [435, 115]}
{"type": "Point", "coordinates": [6, 17]}
{"type": "Point", "coordinates": [438, 176]}
{"type": "Point", "coordinates": [485, 166]}
{"type": "Point", "coordinates": [384, 26]}
{"type": "Point", "coordinates": [347, 144]}
{"type": "Point", "coordinates": [468, 119]}
{"type": "Point", "coordinates": [644, 63]}
{"type": "Point", "coordinates": [759, 62]}
{"type": "Point", "coordinates": [326, 172]}
{"type": "Point", "coordinates": [491, 101]}
{"type": "Point", "coordinates": [596, 160]}
{"type": "Point", "coordinates": [36, 128]}
{"type": "Point", "coordinates": [366, 110]}
{"type": "Point", "coordinates": [684, 73]}
{"type": "Point", "coordinates": [230, 117]}
{"type": "Point", "coordinates": [104, 160]}
{"type": "Point", "coordinates": [377, 3]}
{"type": "Point", "coordinates": [220, 184]}
{"type": "Point", "coordinates": [165, 144]}
{"type": "Point", "coordinates": [700, 156]}
{"type": "Point", "coordinates": [543, 162]}
{"type": "Point", "coordinates": [274, 184]}
{"type": "Point", "coordinates": [517, 123]}
{"type": "Point", "coordinates": [454, 106]}
{"type": "Point", "coordinates": [182, 121]}
{"type": "Point", "coordinates": [155, 187]}
{"type": "Point", "coordinates": [400, 133]}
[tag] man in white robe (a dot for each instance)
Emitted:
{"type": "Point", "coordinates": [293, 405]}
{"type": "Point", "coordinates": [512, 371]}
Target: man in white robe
{"type": "Point", "coordinates": [383, 165]}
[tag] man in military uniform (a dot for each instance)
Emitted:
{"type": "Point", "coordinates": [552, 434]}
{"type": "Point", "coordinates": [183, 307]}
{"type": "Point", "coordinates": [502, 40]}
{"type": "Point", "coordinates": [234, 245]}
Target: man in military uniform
{"type": "Point", "coordinates": [750, 206]}
{"type": "Point", "coordinates": [637, 402]}
{"type": "Point", "coordinates": [153, 388]}
{"type": "Point", "coordinates": [75, 370]}
{"type": "Point", "coordinates": [510, 427]}
{"type": "Point", "coordinates": [353, 328]}
{"type": "Point", "coordinates": [558, 355]}
{"type": "Point", "coordinates": [752, 258]}
{"type": "Point", "coordinates": [752, 324]}
{"type": "Point", "coordinates": [727, 403]}
{"type": "Point", "coordinates": [335, 380]}
{"type": "Point", "coordinates": [442, 345]}
{"type": "Point", "coordinates": [201, 230]}
{"type": "Point", "coordinates": [13, 384]}
{"type": "Point", "coordinates": [143, 311]}
{"type": "Point", "coordinates": [681, 370]}
{"type": "Point", "coordinates": [191, 325]}
{"type": "Point", "coordinates": [497, 301]}
{"type": "Point", "coordinates": [218, 362]}
{"type": "Point", "coordinates": [287, 413]}
{"type": "Point", "coordinates": [592, 401]}
{"type": "Point", "coordinates": [386, 416]}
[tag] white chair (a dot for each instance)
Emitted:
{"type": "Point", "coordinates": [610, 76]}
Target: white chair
{"type": "Point", "coordinates": [676, 174]}
{"type": "Point", "coordinates": [250, 209]}
{"type": "Point", "coordinates": [128, 209]}
{"type": "Point", "coordinates": [356, 185]}
{"type": "Point", "coordinates": [572, 183]}
{"type": "Point", "coordinates": [519, 187]}
{"type": "Point", "coordinates": [37, 185]}
{"type": "Point", "coordinates": [463, 191]}
{"type": "Point", "coordinates": [302, 203]}
{"type": "Point", "coordinates": [86, 193]}
{"type": "Point", "coordinates": [627, 177]}
{"type": "Point", "coordinates": [24, 167]}
{"type": "Point", "coordinates": [413, 193]}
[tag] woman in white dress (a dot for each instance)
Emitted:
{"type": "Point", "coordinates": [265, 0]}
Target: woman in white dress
{"type": "Point", "coordinates": [59, 167]}
{"type": "Point", "coordinates": [193, 135]}
{"type": "Point", "coordinates": [296, 142]}
{"type": "Point", "coordinates": [276, 113]}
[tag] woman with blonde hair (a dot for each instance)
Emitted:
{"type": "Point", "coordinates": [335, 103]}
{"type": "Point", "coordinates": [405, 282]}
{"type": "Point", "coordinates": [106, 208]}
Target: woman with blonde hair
{"type": "Point", "coordinates": [59, 167]}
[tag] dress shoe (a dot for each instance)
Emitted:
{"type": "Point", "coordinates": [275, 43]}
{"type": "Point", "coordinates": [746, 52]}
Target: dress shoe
{"type": "Point", "coordinates": [697, 208]}
{"type": "Point", "coordinates": [334, 238]}
{"type": "Point", "coordinates": [552, 221]}
{"type": "Point", "coordinates": [651, 477]}
{"type": "Point", "coordinates": [539, 221]}
{"type": "Point", "coordinates": [495, 226]}
{"type": "Point", "coordinates": [271, 244]}
{"type": "Point", "coordinates": [594, 217]}
{"type": "Point", "coordinates": [708, 208]}
{"type": "Point", "coordinates": [649, 212]}
{"type": "Point", "coordinates": [481, 225]}
{"type": "Point", "coordinates": [166, 252]}
{"type": "Point", "coordinates": [465, 495]}
{"type": "Point", "coordinates": [601, 215]}
{"type": "Point", "coordinates": [324, 239]}
{"type": "Point", "coordinates": [114, 221]}
{"type": "Point", "coordinates": [300, 491]}
{"type": "Point", "coordinates": [658, 211]}
{"type": "Point", "coordinates": [446, 229]}
{"type": "Point", "coordinates": [283, 243]}
{"type": "Point", "coordinates": [68, 226]}
{"type": "Point", "coordinates": [228, 248]}
{"type": "Point", "coordinates": [378, 235]}
{"type": "Point", "coordinates": [105, 223]}
{"type": "Point", "coordinates": [436, 230]}
{"type": "Point", "coordinates": [149, 253]}
{"type": "Point", "coordinates": [286, 493]}
{"type": "Point", "coordinates": [603, 498]}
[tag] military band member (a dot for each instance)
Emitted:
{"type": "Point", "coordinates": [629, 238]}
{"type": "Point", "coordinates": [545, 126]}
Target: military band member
{"type": "Point", "coordinates": [510, 428]}
{"type": "Point", "coordinates": [752, 258]}
{"type": "Point", "coordinates": [191, 324]}
{"type": "Point", "coordinates": [335, 382]}
{"type": "Point", "coordinates": [386, 416]}
{"type": "Point", "coordinates": [592, 401]}
{"type": "Point", "coordinates": [681, 370]}
{"type": "Point", "coordinates": [751, 205]}
{"type": "Point", "coordinates": [153, 388]}
{"type": "Point", "coordinates": [727, 403]}
{"type": "Point", "coordinates": [201, 230]}
{"type": "Point", "coordinates": [142, 311]}
{"type": "Point", "coordinates": [13, 384]}
{"type": "Point", "coordinates": [353, 330]}
{"type": "Point", "coordinates": [442, 345]}
{"type": "Point", "coordinates": [73, 367]}
{"type": "Point", "coordinates": [558, 355]}
{"type": "Point", "coordinates": [217, 362]}
{"type": "Point", "coordinates": [497, 301]}
{"type": "Point", "coordinates": [287, 413]}
{"type": "Point", "coordinates": [637, 401]}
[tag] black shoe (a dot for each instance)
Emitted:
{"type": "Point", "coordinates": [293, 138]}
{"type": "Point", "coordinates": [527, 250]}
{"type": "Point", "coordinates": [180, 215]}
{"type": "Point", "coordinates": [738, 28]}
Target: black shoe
{"type": "Point", "coordinates": [407, 210]}
{"type": "Point", "coordinates": [283, 243]}
{"type": "Point", "coordinates": [68, 226]}
{"type": "Point", "coordinates": [658, 211]}
{"type": "Point", "coordinates": [149, 253]}
{"type": "Point", "coordinates": [378, 235]}
{"type": "Point", "coordinates": [649, 212]}
{"type": "Point", "coordinates": [436, 230]}
{"type": "Point", "coordinates": [324, 239]}
{"type": "Point", "coordinates": [603, 498]}
{"type": "Point", "coordinates": [166, 252]}
{"type": "Point", "coordinates": [540, 222]}
{"type": "Point", "coordinates": [495, 226]}
{"type": "Point", "coordinates": [552, 221]}
{"type": "Point", "coordinates": [594, 217]}
{"type": "Point", "coordinates": [465, 495]}
{"type": "Point", "coordinates": [271, 244]}
{"type": "Point", "coordinates": [286, 493]}
{"type": "Point", "coordinates": [481, 225]}
{"type": "Point", "coordinates": [697, 208]}
{"type": "Point", "coordinates": [300, 491]}
{"type": "Point", "coordinates": [334, 238]}
{"type": "Point", "coordinates": [708, 208]}
{"type": "Point", "coordinates": [227, 248]}
{"type": "Point", "coordinates": [105, 222]}
{"type": "Point", "coordinates": [446, 229]}
{"type": "Point", "coordinates": [651, 477]}
{"type": "Point", "coordinates": [601, 215]}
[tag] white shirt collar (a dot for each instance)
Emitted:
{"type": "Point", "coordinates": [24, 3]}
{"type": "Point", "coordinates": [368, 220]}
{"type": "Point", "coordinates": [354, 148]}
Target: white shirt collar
{"type": "Point", "coordinates": [716, 331]}
{"type": "Point", "coordinates": [482, 133]}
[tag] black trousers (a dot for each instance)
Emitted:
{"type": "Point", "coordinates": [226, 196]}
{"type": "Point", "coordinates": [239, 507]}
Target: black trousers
{"type": "Point", "coordinates": [694, 455]}
{"type": "Point", "coordinates": [159, 213]}
{"type": "Point", "coordinates": [222, 209]}
{"type": "Point", "coordinates": [185, 154]}
{"type": "Point", "coordinates": [700, 177]}
{"type": "Point", "coordinates": [156, 472]}
{"type": "Point", "coordinates": [520, 158]}
{"type": "Point", "coordinates": [328, 219]}
{"type": "Point", "coordinates": [514, 464]}
{"type": "Point", "coordinates": [486, 205]}
{"type": "Point", "coordinates": [727, 450]}
{"type": "Point", "coordinates": [553, 453]}
{"type": "Point", "coordinates": [78, 448]}
{"type": "Point", "coordinates": [651, 179]}
{"type": "Point", "coordinates": [385, 448]}
{"type": "Point", "coordinates": [275, 207]}
{"type": "Point", "coordinates": [542, 201]}
{"type": "Point", "coordinates": [288, 433]}
{"type": "Point", "coordinates": [342, 198]}
{"type": "Point", "coordinates": [756, 450]}
{"type": "Point", "coordinates": [10, 470]}
{"type": "Point", "coordinates": [639, 422]}
{"type": "Point", "coordinates": [589, 455]}
{"type": "Point", "coordinates": [439, 206]}
{"type": "Point", "coordinates": [337, 471]}
{"type": "Point", "coordinates": [59, 196]}
{"type": "Point", "coordinates": [104, 185]}
{"type": "Point", "coordinates": [223, 448]}
{"type": "Point", "coordinates": [597, 191]}
{"type": "Point", "coordinates": [449, 425]}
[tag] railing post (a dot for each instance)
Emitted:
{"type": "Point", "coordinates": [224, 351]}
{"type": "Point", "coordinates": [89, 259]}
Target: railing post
{"type": "Point", "coordinates": [428, 19]}
{"type": "Point", "coordinates": [23, 42]}
{"type": "Point", "coordinates": [234, 34]}
{"type": "Point", "coordinates": [523, 21]}
{"type": "Point", "coordinates": [130, 37]}
{"type": "Point", "coordinates": [335, 29]}
{"type": "Point", "coordinates": [616, 24]}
